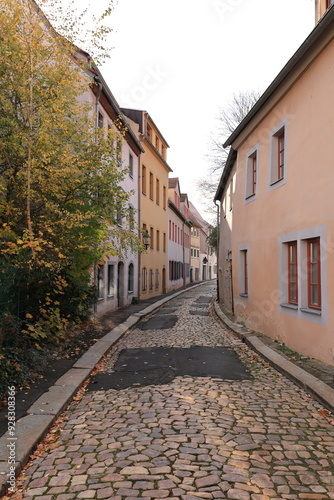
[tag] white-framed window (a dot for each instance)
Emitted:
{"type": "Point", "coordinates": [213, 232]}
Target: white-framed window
{"type": "Point", "coordinates": [278, 155]}
{"type": "Point", "coordinates": [252, 174]}
{"type": "Point", "coordinates": [111, 280]}
{"type": "Point", "coordinates": [302, 274]}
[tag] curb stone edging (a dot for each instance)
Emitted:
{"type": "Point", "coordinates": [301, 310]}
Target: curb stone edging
{"type": "Point", "coordinates": [318, 389]}
{"type": "Point", "coordinates": [41, 415]}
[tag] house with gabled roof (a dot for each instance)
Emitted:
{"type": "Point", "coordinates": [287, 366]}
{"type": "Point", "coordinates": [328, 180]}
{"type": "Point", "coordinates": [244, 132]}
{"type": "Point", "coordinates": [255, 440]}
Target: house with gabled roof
{"type": "Point", "coordinates": [276, 252]}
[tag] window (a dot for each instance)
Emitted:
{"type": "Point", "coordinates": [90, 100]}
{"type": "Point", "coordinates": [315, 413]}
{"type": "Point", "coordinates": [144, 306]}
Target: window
{"type": "Point", "coordinates": [278, 156]}
{"type": "Point", "coordinates": [100, 120]}
{"type": "Point", "coordinates": [131, 218]}
{"type": "Point", "coordinates": [313, 273]}
{"type": "Point", "coordinates": [130, 278]}
{"type": "Point", "coordinates": [157, 278]}
{"type": "Point", "coordinates": [302, 274]}
{"type": "Point", "coordinates": [280, 152]}
{"type": "Point", "coordinates": [151, 185]}
{"type": "Point", "coordinates": [158, 240]}
{"type": "Point", "coordinates": [151, 279]}
{"type": "Point", "coordinates": [152, 238]}
{"type": "Point", "coordinates": [149, 132]}
{"type": "Point", "coordinates": [157, 192]}
{"type": "Point", "coordinates": [143, 180]}
{"type": "Point", "coordinates": [144, 279]}
{"type": "Point", "coordinates": [251, 173]}
{"type": "Point", "coordinates": [130, 165]}
{"type": "Point", "coordinates": [119, 151]}
{"type": "Point", "coordinates": [164, 242]}
{"type": "Point", "coordinates": [119, 219]}
{"type": "Point", "coordinates": [111, 280]}
{"type": "Point", "coordinates": [292, 273]}
{"type": "Point", "coordinates": [100, 282]}
{"type": "Point", "coordinates": [164, 198]}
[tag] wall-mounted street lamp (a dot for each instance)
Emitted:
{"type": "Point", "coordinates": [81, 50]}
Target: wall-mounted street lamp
{"type": "Point", "coordinates": [146, 238]}
{"type": "Point", "coordinates": [205, 260]}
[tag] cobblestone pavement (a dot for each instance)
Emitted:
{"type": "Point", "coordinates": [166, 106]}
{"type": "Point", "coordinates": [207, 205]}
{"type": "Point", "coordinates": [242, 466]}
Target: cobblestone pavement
{"type": "Point", "coordinates": [194, 438]}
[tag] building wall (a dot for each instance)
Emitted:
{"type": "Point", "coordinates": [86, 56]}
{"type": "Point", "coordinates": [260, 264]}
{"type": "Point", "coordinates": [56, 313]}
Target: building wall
{"type": "Point", "coordinates": [225, 258]}
{"type": "Point", "coordinates": [154, 218]}
{"type": "Point", "coordinates": [118, 276]}
{"type": "Point", "coordinates": [176, 262]}
{"type": "Point", "coordinates": [195, 254]}
{"type": "Point", "coordinates": [296, 209]}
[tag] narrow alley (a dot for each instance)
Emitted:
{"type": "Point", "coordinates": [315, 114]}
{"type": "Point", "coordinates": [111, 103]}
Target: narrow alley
{"type": "Point", "coordinates": [173, 432]}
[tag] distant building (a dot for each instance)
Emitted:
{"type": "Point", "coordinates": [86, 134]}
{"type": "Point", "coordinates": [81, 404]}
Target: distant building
{"type": "Point", "coordinates": [276, 258]}
{"type": "Point", "coordinates": [203, 256]}
{"type": "Point", "coordinates": [178, 237]}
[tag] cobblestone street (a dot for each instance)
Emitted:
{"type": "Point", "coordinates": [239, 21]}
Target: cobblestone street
{"type": "Point", "coordinates": [195, 437]}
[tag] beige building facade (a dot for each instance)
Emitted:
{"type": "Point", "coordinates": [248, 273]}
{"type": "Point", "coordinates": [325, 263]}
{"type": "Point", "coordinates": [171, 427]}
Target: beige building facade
{"type": "Point", "coordinates": [276, 255]}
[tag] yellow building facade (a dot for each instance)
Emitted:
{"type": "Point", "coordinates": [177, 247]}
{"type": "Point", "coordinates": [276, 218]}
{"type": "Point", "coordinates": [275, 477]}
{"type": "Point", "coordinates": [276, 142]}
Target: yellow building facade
{"type": "Point", "coordinates": [153, 209]}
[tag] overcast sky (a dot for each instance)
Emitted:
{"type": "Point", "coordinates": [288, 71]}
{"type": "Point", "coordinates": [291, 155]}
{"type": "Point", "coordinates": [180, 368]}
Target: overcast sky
{"type": "Point", "coordinates": [181, 60]}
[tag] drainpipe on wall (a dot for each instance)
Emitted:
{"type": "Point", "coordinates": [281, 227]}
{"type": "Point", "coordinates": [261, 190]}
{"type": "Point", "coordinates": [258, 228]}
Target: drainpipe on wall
{"type": "Point", "coordinates": [218, 233]}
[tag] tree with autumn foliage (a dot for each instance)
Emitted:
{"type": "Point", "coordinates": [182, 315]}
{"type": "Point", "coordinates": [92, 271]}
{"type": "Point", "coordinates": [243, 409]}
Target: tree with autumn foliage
{"type": "Point", "coordinates": [59, 177]}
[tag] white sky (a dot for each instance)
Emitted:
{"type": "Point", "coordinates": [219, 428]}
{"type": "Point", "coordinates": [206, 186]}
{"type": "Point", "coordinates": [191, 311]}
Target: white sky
{"type": "Point", "coordinates": [181, 60]}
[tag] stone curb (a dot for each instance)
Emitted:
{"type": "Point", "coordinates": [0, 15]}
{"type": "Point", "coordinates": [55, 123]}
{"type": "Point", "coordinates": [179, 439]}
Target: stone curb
{"type": "Point", "coordinates": [319, 390]}
{"type": "Point", "coordinates": [32, 428]}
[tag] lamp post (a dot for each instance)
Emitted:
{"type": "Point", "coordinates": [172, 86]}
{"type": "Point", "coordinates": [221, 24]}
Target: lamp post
{"type": "Point", "coordinates": [146, 238]}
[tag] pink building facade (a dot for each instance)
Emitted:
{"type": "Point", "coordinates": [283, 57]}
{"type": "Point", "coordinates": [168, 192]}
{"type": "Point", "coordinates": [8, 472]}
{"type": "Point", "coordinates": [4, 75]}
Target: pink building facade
{"type": "Point", "coordinates": [276, 251]}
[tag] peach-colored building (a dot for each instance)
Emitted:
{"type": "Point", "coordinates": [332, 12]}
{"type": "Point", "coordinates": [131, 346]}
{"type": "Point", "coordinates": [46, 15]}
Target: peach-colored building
{"type": "Point", "coordinates": [276, 251]}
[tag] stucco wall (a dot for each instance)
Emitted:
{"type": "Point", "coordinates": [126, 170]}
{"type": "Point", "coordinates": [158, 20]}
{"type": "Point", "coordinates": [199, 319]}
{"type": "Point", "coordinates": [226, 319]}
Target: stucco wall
{"type": "Point", "coordinates": [302, 206]}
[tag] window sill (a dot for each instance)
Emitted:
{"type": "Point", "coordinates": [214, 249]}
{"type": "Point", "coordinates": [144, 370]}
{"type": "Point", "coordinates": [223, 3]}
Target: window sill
{"type": "Point", "coordinates": [290, 306]}
{"type": "Point", "coordinates": [248, 197]}
{"type": "Point", "coordinates": [277, 181]}
{"type": "Point", "coordinates": [245, 295]}
{"type": "Point", "coordinates": [308, 310]}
